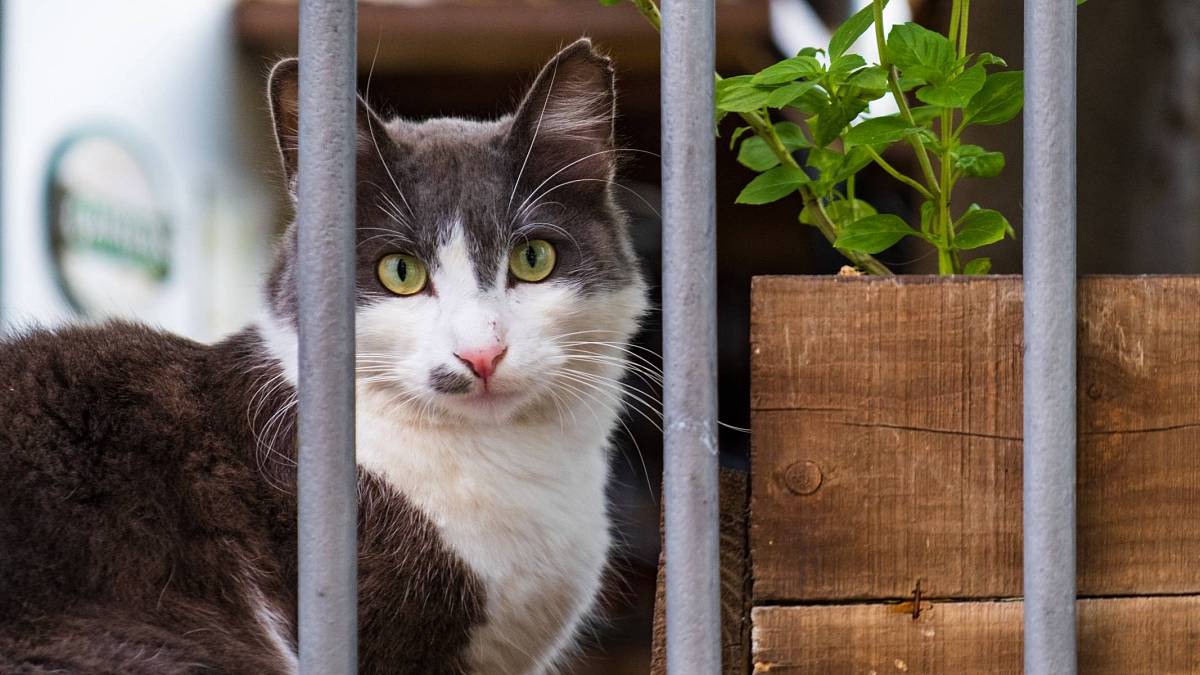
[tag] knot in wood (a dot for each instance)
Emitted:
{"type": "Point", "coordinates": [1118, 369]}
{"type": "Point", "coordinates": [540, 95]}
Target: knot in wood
{"type": "Point", "coordinates": [802, 478]}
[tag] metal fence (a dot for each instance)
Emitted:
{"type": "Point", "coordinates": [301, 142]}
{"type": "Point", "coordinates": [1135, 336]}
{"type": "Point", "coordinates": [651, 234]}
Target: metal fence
{"type": "Point", "coordinates": [327, 597]}
{"type": "Point", "coordinates": [1049, 278]}
{"type": "Point", "coordinates": [327, 490]}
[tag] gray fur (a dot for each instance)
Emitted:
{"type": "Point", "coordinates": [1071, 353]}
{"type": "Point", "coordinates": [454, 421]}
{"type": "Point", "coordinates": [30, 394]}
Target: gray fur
{"type": "Point", "coordinates": [503, 180]}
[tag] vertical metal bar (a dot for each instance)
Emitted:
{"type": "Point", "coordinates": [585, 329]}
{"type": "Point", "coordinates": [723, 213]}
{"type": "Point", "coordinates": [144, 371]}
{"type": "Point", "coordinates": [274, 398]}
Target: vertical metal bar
{"type": "Point", "coordinates": [328, 594]}
{"type": "Point", "coordinates": [1050, 333]}
{"type": "Point", "coordinates": [690, 338]}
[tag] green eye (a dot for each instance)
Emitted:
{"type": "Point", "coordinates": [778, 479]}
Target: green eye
{"type": "Point", "coordinates": [532, 260]}
{"type": "Point", "coordinates": [402, 274]}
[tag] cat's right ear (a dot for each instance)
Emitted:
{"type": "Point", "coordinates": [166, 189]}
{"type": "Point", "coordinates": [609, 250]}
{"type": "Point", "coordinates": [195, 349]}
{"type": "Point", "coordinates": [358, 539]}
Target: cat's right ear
{"type": "Point", "coordinates": [283, 93]}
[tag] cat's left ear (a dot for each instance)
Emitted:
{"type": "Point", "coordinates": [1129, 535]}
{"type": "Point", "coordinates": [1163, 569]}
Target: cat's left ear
{"type": "Point", "coordinates": [568, 114]}
{"type": "Point", "coordinates": [283, 91]}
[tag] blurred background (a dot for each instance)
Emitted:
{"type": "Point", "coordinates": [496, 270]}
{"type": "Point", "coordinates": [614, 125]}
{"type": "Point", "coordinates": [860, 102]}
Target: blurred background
{"type": "Point", "coordinates": [138, 175]}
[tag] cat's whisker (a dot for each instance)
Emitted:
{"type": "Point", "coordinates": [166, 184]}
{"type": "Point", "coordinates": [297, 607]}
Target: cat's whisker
{"type": "Point", "coordinates": [641, 459]}
{"type": "Point", "coordinates": [567, 166]}
{"type": "Point", "coordinates": [578, 394]}
{"type": "Point", "coordinates": [623, 362]}
{"type": "Point", "coordinates": [375, 142]}
{"type": "Point", "coordinates": [640, 359]}
{"type": "Point", "coordinates": [594, 392]}
{"type": "Point", "coordinates": [536, 130]}
{"type": "Point", "coordinates": [623, 351]}
{"type": "Point", "coordinates": [637, 398]}
{"type": "Point", "coordinates": [519, 233]}
{"type": "Point", "coordinates": [647, 377]}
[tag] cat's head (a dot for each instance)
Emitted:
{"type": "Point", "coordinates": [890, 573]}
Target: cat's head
{"type": "Point", "coordinates": [495, 275]}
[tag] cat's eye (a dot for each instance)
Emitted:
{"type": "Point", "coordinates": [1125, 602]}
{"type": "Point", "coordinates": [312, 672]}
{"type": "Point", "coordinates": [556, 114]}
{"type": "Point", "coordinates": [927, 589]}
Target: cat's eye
{"type": "Point", "coordinates": [402, 274]}
{"type": "Point", "coordinates": [532, 260]}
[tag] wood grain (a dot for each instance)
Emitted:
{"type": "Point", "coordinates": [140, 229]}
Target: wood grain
{"type": "Point", "coordinates": [1123, 636]}
{"type": "Point", "coordinates": [887, 437]}
{"type": "Point", "coordinates": [735, 585]}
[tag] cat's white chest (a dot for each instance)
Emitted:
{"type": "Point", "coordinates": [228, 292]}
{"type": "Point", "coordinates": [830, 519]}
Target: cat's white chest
{"type": "Point", "coordinates": [524, 507]}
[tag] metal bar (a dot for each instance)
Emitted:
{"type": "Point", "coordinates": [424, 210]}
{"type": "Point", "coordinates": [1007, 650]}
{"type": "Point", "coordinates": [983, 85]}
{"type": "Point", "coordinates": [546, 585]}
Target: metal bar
{"type": "Point", "coordinates": [1050, 333]}
{"type": "Point", "coordinates": [690, 338]}
{"type": "Point", "coordinates": [3, 134]}
{"type": "Point", "coordinates": [328, 594]}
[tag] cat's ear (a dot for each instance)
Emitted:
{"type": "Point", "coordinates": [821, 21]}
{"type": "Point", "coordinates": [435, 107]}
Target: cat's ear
{"type": "Point", "coordinates": [568, 113]}
{"type": "Point", "coordinates": [283, 91]}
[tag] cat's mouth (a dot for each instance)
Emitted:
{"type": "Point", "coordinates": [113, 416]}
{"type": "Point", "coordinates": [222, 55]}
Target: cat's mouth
{"type": "Point", "coordinates": [486, 400]}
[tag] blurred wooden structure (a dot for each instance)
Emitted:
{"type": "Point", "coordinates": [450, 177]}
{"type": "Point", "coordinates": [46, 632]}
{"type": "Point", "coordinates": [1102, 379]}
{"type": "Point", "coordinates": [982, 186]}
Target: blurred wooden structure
{"type": "Point", "coordinates": [885, 513]}
{"type": "Point", "coordinates": [497, 36]}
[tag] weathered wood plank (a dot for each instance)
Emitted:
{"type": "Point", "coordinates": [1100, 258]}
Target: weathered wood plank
{"type": "Point", "coordinates": [735, 585]}
{"type": "Point", "coordinates": [1124, 636]}
{"type": "Point", "coordinates": [887, 450]}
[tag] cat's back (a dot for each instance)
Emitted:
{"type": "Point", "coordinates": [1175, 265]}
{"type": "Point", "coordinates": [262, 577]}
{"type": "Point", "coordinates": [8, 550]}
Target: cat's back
{"type": "Point", "coordinates": [89, 454]}
{"type": "Point", "coordinates": [123, 487]}
{"type": "Point", "coordinates": [84, 403]}
{"type": "Point", "coordinates": [81, 383]}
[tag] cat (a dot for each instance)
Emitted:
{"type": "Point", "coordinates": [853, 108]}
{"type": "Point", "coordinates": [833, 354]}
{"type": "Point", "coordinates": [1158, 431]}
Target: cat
{"type": "Point", "coordinates": [147, 482]}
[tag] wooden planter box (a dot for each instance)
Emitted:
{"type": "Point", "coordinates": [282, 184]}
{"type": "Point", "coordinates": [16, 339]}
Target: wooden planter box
{"type": "Point", "coordinates": [884, 532]}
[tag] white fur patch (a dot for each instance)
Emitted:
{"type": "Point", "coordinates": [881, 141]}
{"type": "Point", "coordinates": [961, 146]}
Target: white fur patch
{"type": "Point", "coordinates": [514, 481]}
{"type": "Point", "coordinates": [275, 628]}
{"type": "Point", "coordinates": [522, 505]}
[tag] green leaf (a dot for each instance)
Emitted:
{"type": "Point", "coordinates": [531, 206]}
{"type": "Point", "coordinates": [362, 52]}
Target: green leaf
{"type": "Point", "coordinates": [980, 227]}
{"type": "Point", "coordinates": [876, 130]}
{"type": "Point", "coordinates": [841, 211]}
{"type": "Point", "coordinates": [990, 59]}
{"type": "Point", "coordinates": [834, 118]}
{"type": "Point", "coordinates": [999, 100]}
{"type": "Point", "coordinates": [795, 68]}
{"type": "Point", "coordinates": [850, 164]}
{"type": "Point", "coordinates": [610, 3]}
{"type": "Point", "coordinates": [873, 234]}
{"type": "Point", "coordinates": [1079, 2]}
{"type": "Point", "coordinates": [738, 95]}
{"type": "Point", "coordinates": [872, 78]}
{"type": "Point", "coordinates": [756, 154]}
{"type": "Point", "coordinates": [924, 114]}
{"type": "Point", "coordinates": [811, 102]}
{"type": "Point", "coordinates": [920, 52]}
{"type": "Point", "coordinates": [928, 213]}
{"type": "Point", "coordinates": [975, 161]}
{"type": "Point", "coordinates": [956, 92]}
{"type": "Point", "coordinates": [743, 99]}
{"type": "Point", "coordinates": [791, 135]}
{"type": "Point", "coordinates": [773, 185]}
{"type": "Point", "coordinates": [978, 266]}
{"type": "Point", "coordinates": [850, 30]}
{"type": "Point", "coordinates": [737, 133]}
{"type": "Point", "coordinates": [908, 83]}
{"type": "Point", "coordinates": [841, 67]}
{"type": "Point", "coordinates": [788, 93]}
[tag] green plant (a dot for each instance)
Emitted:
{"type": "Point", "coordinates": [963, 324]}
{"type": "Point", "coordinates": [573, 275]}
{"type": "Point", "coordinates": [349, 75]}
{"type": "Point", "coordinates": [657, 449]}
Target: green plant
{"type": "Point", "coordinates": [827, 90]}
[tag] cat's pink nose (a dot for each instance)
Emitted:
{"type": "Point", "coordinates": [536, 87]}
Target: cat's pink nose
{"type": "Point", "coordinates": [482, 361]}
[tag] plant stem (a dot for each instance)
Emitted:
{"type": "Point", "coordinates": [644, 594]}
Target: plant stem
{"type": "Point", "coordinates": [962, 34]}
{"type": "Point", "coordinates": [955, 19]}
{"type": "Point", "coordinates": [945, 226]}
{"type": "Point", "coordinates": [883, 164]}
{"type": "Point", "coordinates": [648, 9]}
{"type": "Point", "coordinates": [764, 129]}
{"type": "Point", "coordinates": [902, 102]}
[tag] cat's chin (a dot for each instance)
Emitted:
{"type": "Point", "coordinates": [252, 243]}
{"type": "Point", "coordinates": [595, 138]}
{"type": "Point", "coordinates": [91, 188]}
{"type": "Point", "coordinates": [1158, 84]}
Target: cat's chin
{"type": "Point", "coordinates": [486, 406]}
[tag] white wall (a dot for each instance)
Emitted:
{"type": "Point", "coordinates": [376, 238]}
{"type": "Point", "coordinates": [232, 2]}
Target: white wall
{"type": "Point", "coordinates": [166, 72]}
